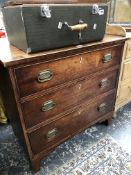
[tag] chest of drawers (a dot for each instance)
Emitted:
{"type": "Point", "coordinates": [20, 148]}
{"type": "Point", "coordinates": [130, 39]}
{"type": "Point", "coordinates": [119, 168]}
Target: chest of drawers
{"type": "Point", "coordinates": [51, 96]}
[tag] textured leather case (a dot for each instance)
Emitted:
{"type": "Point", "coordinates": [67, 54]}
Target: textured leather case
{"type": "Point", "coordinates": [38, 27]}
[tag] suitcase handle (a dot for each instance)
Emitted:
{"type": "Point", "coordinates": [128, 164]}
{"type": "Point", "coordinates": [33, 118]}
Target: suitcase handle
{"type": "Point", "coordinates": [77, 27]}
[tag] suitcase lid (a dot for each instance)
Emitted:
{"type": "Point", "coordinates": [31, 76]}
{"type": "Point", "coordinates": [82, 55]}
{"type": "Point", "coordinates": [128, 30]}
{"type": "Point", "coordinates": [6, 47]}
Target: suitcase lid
{"type": "Point", "coordinates": [20, 2]}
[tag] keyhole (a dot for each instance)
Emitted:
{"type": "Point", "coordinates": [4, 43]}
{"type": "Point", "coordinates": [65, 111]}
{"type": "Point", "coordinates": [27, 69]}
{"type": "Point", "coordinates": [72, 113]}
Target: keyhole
{"type": "Point", "coordinates": [81, 59]}
{"type": "Point", "coordinates": [79, 112]}
{"type": "Point", "coordinates": [80, 86]}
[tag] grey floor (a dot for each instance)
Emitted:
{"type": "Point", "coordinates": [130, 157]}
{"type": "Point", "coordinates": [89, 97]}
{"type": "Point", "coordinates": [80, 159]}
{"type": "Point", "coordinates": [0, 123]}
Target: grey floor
{"type": "Point", "coordinates": [13, 160]}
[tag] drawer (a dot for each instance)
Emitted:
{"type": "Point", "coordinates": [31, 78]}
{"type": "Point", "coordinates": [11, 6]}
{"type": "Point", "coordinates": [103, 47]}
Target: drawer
{"type": "Point", "coordinates": [125, 90]}
{"type": "Point", "coordinates": [128, 50]}
{"type": "Point", "coordinates": [36, 77]}
{"type": "Point", "coordinates": [126, 70]}
{"type": "Point", "coordinates": [56, 132]}
{"type": "Point", "coordinates": [47, 106]}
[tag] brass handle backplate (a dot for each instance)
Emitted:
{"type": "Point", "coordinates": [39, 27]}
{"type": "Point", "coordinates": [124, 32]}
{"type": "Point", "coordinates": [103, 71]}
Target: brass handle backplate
{"type": "Point", "coordinates": [48, 105]}
{"type": "Point", "coordinates": [107, 58]}
{"type": "Point", "coordinates": [44, 76]}
{"type": "Point", "coordinates": [102, 108]}
{"type": "Point", "coordinates": [52, 133]}
{"type": "Point", "coordinates": [104, 83]}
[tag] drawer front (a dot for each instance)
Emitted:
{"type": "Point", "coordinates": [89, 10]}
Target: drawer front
{"type": "Point", "coordinates": [126, 70]}
{"type": "Point", "coordinates": [125, 90]}
{"type": "Point", "coordinates": [49, 105]}
{"type": "Point", "coordinates": [59, 130]}
{"type": "Point", "coordinates": [33, 78]}
{"type": "Point", "coordinates": [128, 50]}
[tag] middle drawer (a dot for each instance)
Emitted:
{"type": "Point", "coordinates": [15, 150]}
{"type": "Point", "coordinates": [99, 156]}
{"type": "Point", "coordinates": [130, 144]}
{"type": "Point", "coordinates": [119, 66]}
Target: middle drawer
{"type": "Point", "coordinates": [48, 106]}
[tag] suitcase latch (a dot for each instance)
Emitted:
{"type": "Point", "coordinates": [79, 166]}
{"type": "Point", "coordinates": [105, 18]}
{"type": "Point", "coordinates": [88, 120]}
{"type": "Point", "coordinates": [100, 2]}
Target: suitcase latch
{"type": "Point", "coordinates": [45, 11]}
{"type": "Point", "coordinates": [96, 10]}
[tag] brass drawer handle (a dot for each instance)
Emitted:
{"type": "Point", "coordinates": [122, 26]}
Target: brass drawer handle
{"type": "Point", "coordinates": [44, 76]}
{"type": "Point", "coordinates": [48, 105]}
{"type": "Point", "coordinates": [104, 83]}
{"type": "Point", "coordinates": [102, 108]}
{"type": "Point", "coordinates": [52, 133]}
{"type": "Point", "coordinates": [107, 58]}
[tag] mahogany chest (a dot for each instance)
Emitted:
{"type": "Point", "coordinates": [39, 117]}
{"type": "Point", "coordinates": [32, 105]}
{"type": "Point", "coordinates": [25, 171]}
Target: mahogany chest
{"type": "Point", "coordinates": [51, 96]}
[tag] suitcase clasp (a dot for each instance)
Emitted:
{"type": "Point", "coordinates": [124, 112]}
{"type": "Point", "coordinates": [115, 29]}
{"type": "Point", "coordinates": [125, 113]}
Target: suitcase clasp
{"type": "Point", "coordinates": [45, 11]}
{"type": "Point", "coordinates": [96, 10]}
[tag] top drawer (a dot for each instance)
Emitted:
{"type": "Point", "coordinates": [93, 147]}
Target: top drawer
{"type": "Point", "coordinates": [128, 50]}
{"type": "Point", "coordinates": [36, 77]}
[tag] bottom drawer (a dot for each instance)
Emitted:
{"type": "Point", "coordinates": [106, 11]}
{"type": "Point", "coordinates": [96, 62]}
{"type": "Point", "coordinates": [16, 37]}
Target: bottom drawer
{"type": "Point", "coordinates": [61, 129]}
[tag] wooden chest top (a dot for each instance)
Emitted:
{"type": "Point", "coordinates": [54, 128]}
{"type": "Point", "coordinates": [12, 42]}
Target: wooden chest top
{"type": "Point", "coordinates": [11, 56]}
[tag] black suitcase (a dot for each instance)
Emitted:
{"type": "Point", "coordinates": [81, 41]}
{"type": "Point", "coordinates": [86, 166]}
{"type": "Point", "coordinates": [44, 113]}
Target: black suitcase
{"type": "Point", "coordinates": [39, 27]}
